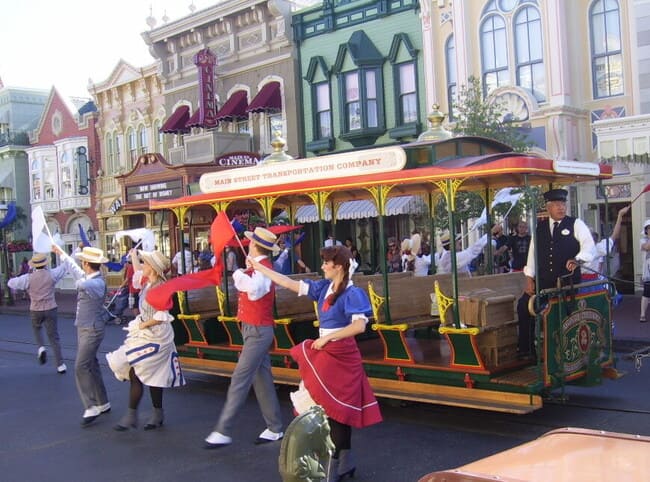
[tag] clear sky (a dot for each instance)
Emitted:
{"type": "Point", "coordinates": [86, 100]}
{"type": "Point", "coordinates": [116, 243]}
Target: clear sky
{"type": "Point", "coordinates": [63, 43]}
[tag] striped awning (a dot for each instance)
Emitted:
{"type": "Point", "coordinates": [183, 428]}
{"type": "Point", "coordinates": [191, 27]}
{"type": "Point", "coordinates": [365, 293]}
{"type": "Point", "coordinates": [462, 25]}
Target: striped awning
{"type": "Point", "coordinates": [363, 209]}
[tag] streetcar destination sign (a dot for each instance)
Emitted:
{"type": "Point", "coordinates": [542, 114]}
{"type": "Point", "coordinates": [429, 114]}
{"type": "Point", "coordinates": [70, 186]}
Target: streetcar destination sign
{"type": "Point", "coordinates": [576, 167]}
{"type": "Point", "coordinates": [349, 164]}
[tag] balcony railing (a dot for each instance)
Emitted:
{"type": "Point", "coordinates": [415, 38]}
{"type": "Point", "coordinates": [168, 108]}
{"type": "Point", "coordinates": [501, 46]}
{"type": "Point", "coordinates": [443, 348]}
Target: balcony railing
{"type": "Point", "coordinates": [14, 138]}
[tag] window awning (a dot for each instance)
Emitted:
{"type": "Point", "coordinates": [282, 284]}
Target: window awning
{"type": "Point", "coordinates": [235, 108]}
{"type": "Point", "coordinates": [267, 100]}
{"type": "Point", "coordinates": [363, 209]}
{"type": "Point", "coordinates": [194, 120]}
{"type": "Point", "coordinates": [176, 123]}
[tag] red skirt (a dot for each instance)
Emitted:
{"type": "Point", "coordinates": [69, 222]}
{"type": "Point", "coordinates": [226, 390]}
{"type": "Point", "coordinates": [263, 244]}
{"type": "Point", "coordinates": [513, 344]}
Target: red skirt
{"type": "Point", "coordinates": [335, 379]}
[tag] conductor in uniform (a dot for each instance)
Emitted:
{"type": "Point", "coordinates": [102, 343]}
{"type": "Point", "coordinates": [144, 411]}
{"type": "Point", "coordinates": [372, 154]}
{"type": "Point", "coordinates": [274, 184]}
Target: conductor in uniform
{"type": "Point", "coordinates": [561, 242]}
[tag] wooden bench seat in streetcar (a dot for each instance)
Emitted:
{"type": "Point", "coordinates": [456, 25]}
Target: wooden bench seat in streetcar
{"type": "Point", "coordinates": [410, 308]}
{"type": "Point", "coordinates": [487, 339]}
{"type": "Point", "coordinates": [294, 316]}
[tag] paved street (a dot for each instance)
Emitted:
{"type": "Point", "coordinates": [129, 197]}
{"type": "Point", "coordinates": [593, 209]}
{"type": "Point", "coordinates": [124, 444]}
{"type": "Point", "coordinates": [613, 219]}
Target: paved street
{"type": "Point", "coordinates": [42, 440]}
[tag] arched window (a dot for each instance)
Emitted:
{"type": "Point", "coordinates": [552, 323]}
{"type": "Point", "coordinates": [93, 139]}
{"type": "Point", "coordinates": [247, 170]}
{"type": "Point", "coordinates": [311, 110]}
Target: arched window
{"type": "Point", "coordinates": [606, 58]}
{"type": "Point", "coordinates": [494, 53]}
{"type": "Point", "coordinates": [529, 52]}
{"type": "Point", "coordinates": [450, 64]}
{"type": "Point", "coordinates": [133, 147]}
{"type": "Point", "coordinates": [143, 140]}
{"type": "Point", "coordinates": [118, 140]}
{"type": "Point", "coordinates": [110, 155]}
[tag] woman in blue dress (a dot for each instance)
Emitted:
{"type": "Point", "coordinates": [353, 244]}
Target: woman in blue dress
{"type": "Point", "coordinates": [331, 367]}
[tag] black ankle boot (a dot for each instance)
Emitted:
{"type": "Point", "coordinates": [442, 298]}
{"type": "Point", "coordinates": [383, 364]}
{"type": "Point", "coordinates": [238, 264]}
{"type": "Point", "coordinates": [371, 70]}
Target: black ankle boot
{"type": "Point", "coordinates": [346, 464]}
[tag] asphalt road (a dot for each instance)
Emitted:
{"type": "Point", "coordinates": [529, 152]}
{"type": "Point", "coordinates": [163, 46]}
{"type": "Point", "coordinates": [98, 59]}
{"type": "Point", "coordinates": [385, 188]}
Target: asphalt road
{"type": "Point", "coordinates": [42, 440]}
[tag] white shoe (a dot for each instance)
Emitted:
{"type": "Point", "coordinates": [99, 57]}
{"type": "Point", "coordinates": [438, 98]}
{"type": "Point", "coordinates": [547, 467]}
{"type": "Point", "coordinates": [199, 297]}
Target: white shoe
{"type": "Point", "coordinates": [62, 368]}
{"type": "Point", "coordinates": [268, 436]}
{"type": "Point", "coordinates": [90, 414]}
{"type": "Point", "coordinates": [216, 440]}
{"type": "Point", "coordinates": [104, 408]}
{"type": "Point", "coordinates": [42, 355]}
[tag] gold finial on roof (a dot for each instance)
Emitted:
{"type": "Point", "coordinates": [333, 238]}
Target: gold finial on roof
{"type": "Point", "coordinates": [435, 132]}
{"type": "Point", "coordinates": [278, 154]}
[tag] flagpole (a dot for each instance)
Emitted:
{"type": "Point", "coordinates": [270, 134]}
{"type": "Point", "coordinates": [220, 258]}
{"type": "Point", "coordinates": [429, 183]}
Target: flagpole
{"type": "Point", "coordinates": [240, 245]}
{"type": "Point", "coordinates": [644, 190]}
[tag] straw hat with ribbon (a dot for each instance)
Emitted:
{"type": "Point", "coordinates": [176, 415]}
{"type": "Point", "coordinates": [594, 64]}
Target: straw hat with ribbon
{"type": "Point", "coordinates": [38, 260]}
{"type": "Point", "coordinates": [92, 255]}
{"type": "Point", "coordinates": [158, 261]}
{"type": "Point", "coordinates": [264, 238]}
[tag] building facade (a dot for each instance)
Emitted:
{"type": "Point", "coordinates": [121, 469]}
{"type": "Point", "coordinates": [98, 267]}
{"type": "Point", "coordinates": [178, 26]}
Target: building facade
{"type": "Point", "coordinates": [20, 111]}
{"type": "Point", "coordinates": [362, 74]}
{"type": "Point", "coordinates": [558, 68]}
{"type": "Point", "coordinates": [228, 80]}
{"type": "Point", "coordinates": [64, 150]}
{"type": "Point", "coordinates": [131, 113]}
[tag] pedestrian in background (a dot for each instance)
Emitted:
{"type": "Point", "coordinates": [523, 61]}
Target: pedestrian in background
{"type": "Point", "coordinates": [183, 261]}
{"type": "Point", "coordinates": [645, 269]}
{"type": "Point", "coordinates": [40, 284]}
{"type": "Point", "coordinates": [89, 320]}
{"type": "Point", "coordinates": [518, 245]}
{"type": "Point", "coordinates": [148, 355]}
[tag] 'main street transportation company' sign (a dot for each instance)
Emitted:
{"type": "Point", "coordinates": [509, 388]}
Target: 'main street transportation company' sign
{"type": "Point", "coordinates": [349, 164]}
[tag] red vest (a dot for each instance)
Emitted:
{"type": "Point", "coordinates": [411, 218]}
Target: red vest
{"type": "Point", "coordinates": [258, 312]}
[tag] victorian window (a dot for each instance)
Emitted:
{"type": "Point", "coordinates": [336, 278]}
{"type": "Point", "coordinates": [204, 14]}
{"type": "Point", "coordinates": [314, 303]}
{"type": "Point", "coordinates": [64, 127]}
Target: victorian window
{"type": "Point", "coordinates": [529, 52]}
{"type": "Point", "coordinates": [450, 64]}
{"type": "Point", "coordinates": [517, 23]}
{"type": "Point", "coordinates": [50, 178]}
{"type": "Point", "coordinates": [318, 76]}
{"type": "Point", "coordinates": [67, 175]}
{"type": "Point", "coordinates": [110, 155]}
{"type": "Point", "coordinates": [606, 57]}
{"type": "Point", "coordinates": [143, 140]}
{"type": "Point", "coordinates": [243, 127]}
{"type": "Point", "coordinates": [323, 120]}
{"type": "Point", "coordinates": [36, 180]}
{"type": "Point", "coordinates": [494, 53]}
{"type": "Point", "coordinates": [119, 160]}
{"type": "Point", "coordinates": [275, 125]}
{"type": "Point", "coordinates": [362, 108]}
{"type": "Point", "coordinates": [133, 147]}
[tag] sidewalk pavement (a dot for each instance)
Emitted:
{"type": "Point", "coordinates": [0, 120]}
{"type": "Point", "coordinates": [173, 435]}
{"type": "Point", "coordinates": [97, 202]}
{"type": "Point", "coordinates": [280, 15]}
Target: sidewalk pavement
{"type": "Point", "coordinates": [626, 315]}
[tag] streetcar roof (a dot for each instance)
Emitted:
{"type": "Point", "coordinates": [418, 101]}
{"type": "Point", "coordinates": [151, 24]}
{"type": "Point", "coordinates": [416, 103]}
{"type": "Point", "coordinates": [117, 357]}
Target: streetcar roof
{"type": "Point", "coordinates": [494, 170]}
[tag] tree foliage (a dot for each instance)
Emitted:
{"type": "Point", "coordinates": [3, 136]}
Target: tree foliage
{"type": "Point", "coordinates": [476, 116]}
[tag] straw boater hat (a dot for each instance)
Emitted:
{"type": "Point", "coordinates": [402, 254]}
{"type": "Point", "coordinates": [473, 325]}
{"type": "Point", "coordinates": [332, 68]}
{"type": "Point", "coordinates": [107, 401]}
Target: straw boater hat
{"type": "Point", "coordinates": [263, 238]}
{"type": "Point", "coordinates": [92, 255]}
{"type": "Point", "coordinates": [158, 261]}
{"type": "Point", "coordinates": [444, 238]}
{"type": "Point", "coordinates": [38, 260]}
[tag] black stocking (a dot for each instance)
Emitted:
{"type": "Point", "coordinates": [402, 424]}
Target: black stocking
{"type": "Point", "coordinates": [135, 392]}
{"type": "Point", "coordinates": [341, 435]}
{"type": "Point", "coordinates": [156, 396]}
